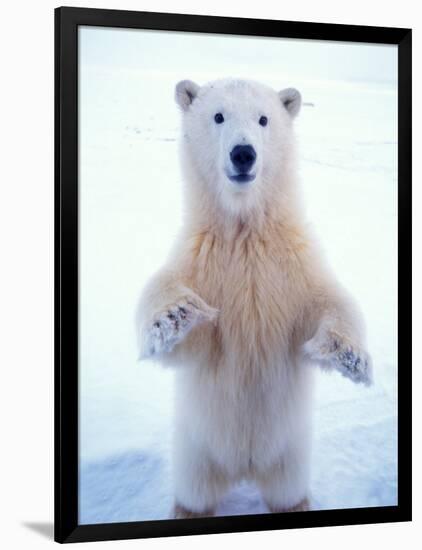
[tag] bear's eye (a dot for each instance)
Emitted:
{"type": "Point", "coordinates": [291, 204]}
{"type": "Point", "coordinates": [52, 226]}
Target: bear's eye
{"type": "Point", "coordinates": [263, 121]}
{"type": "Point", "coordinates": [218, 118]}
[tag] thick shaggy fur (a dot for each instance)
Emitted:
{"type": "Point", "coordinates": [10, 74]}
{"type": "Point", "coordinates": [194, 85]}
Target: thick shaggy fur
{"type": "Point", "coordinates": [244, 302]}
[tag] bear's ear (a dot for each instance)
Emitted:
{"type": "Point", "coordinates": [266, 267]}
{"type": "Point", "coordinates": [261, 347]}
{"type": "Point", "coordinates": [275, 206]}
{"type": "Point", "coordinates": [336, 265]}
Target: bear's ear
{"type": "Point", "coordinates": [291, 100]}
{"type": "Point", "coordinates": [185, 93]}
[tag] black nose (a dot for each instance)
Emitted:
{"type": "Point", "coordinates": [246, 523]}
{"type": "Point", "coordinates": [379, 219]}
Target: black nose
{"type": "Point", "coordinates": [243, 157]}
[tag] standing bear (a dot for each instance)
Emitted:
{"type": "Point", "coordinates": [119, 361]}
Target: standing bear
{"type": "Point", "coordinates": [245, 303]}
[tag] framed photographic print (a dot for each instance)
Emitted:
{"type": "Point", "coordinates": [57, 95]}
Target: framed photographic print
{"type": "Point", "coordinates": [233, 274]}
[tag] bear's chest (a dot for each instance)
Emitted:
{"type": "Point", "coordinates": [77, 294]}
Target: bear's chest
{"type": "Point", "coordinates": [259, 290]}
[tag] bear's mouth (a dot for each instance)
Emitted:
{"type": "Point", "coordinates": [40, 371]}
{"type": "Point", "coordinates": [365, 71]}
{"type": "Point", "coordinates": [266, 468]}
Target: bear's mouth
{"type": "Point", "coordinates": [241, 178]}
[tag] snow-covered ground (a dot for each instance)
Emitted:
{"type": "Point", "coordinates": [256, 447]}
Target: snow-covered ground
{"type": "Point", "coordinates": [130, 211]}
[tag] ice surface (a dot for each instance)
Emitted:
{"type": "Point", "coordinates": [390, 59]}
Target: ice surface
{"type": "Point", "coordinates": [130, 210]}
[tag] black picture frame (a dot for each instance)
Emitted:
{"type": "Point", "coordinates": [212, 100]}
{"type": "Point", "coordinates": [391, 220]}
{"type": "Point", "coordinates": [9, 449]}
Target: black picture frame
{"type": "Point", "coordinates": [67, 20]}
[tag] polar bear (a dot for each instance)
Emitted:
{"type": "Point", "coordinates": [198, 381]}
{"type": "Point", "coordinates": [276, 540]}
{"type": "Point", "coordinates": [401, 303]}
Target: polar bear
{"type": "Point", "coordinates": [245, 303]}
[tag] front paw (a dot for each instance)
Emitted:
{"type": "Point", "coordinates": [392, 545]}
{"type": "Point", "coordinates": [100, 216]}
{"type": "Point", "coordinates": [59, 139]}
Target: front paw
{"type": "Point", "coordinates": [171, 326]}
{"type": "Point", "coordinates": [332, 350]}
{"type": "Point", "coordinates": [355, 364]}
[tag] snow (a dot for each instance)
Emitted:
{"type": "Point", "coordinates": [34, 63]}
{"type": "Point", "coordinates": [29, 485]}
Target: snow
{"type": "Point", "coordinates": [130, 211]}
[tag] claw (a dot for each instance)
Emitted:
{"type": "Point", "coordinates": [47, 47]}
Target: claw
{"type": "Point", "coordinates": [172, 325]}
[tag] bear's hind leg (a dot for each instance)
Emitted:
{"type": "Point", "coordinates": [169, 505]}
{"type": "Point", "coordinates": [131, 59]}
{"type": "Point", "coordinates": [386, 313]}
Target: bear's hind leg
{"type": "Point", "coordinates": [302, 506]}
{"type": "Point", "coordinates": [180, 512]}
{"type": "Point", "coordinates": [285, 486]}
{"type": "Point", "coordinates": [199, 484]}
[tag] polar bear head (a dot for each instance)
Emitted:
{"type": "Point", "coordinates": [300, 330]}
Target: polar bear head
{"type": "Point", "coordinates": [237, 144]}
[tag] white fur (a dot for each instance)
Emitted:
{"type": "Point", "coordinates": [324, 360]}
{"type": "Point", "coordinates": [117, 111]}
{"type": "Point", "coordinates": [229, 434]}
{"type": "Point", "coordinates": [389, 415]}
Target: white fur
{"type": "Point", "coordinates": [258, 303]}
